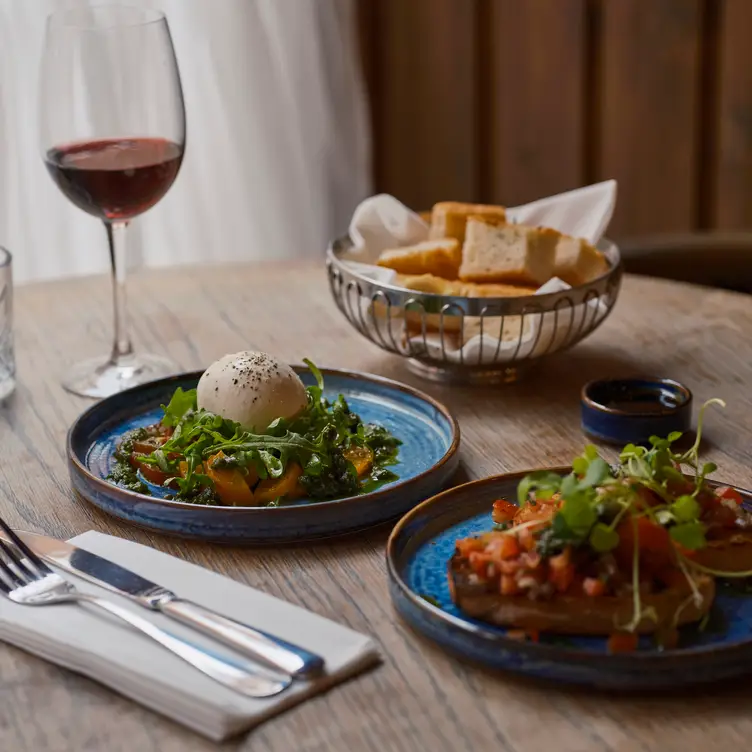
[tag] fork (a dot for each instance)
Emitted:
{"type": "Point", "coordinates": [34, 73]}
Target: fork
{"type": "Point", "coordinates": [26, 579]}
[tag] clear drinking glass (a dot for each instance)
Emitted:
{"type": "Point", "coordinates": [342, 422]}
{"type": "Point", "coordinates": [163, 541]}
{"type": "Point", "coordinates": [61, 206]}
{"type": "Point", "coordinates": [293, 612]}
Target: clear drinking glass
{"type": "Point", "coordinates": [112, 129]}
{"type": "Point", "coordinates": [7, 357]}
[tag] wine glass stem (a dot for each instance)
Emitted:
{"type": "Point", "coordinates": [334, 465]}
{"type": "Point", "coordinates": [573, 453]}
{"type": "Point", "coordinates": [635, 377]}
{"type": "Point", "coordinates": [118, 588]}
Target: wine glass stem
{"type": "Point", "coordinates": [121, 347]}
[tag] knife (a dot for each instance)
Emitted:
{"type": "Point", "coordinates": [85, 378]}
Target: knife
{"type": "Point", "coordinates": [272, 651]}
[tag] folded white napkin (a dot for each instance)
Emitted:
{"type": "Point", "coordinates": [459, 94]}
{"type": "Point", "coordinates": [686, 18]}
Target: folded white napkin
{"type": "Point", "coordinates": [381, 222]}
{"type": "Point", "coordinates": [107, 650]}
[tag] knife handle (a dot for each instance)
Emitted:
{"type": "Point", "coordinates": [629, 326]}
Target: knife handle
{"type": "Point", "coordinates": [276, 653]}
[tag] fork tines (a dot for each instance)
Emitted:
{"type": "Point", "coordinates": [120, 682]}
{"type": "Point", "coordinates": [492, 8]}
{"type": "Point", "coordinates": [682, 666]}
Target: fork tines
{"type": "Point", "coordinates": [42, 568]}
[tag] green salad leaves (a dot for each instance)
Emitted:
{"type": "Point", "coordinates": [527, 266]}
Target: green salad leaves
{"type": "Point", "coordinates": [320, 441]}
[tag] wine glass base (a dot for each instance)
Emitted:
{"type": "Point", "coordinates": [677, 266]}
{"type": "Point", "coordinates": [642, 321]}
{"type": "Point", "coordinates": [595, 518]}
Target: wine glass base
{"type": "Point", "coordinates": [103, 377]}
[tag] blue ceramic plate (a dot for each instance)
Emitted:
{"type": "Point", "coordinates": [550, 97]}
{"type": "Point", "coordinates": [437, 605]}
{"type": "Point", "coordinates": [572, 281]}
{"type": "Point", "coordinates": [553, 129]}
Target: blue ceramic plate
{"type": "Point", "coordinates": [417, 555]}
{"type": "Point", "coordinates": [428, 458]}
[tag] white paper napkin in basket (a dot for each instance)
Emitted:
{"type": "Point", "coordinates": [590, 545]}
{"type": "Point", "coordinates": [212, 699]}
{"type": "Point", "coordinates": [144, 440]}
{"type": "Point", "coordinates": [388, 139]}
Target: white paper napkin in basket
{"type": "Point", "coordinates": [382, 222]}
{"type": "Point", "coordinates": [93, 644]}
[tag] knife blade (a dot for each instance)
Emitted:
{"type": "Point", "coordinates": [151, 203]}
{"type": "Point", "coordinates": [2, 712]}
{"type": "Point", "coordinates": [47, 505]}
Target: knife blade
{"type": "Point", "coordinates": [270, 650]}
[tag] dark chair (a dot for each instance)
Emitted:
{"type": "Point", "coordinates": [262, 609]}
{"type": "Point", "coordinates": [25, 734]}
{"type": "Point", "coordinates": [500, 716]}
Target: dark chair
{"type": "Point", "coordinates": [715, 259]}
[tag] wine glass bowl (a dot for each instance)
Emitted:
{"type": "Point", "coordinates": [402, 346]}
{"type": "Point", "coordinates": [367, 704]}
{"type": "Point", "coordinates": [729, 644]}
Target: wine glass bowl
{"type": "Point", "coordinates": [112, 136]}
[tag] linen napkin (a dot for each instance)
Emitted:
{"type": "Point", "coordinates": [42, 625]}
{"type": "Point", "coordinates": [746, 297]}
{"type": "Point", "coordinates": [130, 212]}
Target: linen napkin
{"type": "Point", "coordinates": [107, 650]}
{"type": "Point", "coordinates": [381, 222]}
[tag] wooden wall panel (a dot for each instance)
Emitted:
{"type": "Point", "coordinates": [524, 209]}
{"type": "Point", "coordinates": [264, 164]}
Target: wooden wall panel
{"type": "Point", "coordinates": [733, 179]}
{"type": "Point", "coordinates": [536, 93]}
{"type": "Point", "coordinates": [650, 73]}
{"type": "Point", "coordinates": [425, 115]}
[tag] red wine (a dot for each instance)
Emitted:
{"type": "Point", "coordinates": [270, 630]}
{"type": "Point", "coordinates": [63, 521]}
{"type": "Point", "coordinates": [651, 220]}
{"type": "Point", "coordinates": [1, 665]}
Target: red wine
{"type": "Point", "coordinates": [115, 178]}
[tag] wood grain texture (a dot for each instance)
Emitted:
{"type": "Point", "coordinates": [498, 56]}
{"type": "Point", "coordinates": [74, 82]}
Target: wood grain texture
{"type": "Point", "coordinates": [420, 699]}
{"type": "Point", "coordinates": [425, 111]}
{"type": "Point", "coordinates": [536, 98]}
{"type": "Point", "coordinates": [733, 197]}
{"type": "Point", "coordinates": [650, 57]}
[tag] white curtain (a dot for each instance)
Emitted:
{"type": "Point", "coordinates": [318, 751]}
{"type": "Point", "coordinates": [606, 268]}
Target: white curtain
{"type": "Point", "coordinates": [278, 144]}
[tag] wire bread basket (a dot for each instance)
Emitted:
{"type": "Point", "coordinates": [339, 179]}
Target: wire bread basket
{"type": "Point", "coordinates": [470, 340]}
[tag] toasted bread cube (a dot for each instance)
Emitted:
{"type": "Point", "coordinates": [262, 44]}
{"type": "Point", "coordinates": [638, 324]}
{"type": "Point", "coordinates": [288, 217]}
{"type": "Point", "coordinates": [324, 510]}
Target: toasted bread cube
{"type": "Point", "coordinates": [430, 283]}
{"type": "Point", "coordinates": [449, 218]}
{"type": "Point", "coordinates": [495, 290]}
{"type": "Point", "coordinates": [438, 257]}
{"type": "Point", "coordinates": [578, 262]}
{"type": "Point", "coordinates": [510, 254]}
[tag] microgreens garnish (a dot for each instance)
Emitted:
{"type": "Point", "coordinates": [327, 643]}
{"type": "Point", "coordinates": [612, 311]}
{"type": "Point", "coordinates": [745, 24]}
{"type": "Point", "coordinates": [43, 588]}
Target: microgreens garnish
{"type": "Point", "coordinates": [654, 482]}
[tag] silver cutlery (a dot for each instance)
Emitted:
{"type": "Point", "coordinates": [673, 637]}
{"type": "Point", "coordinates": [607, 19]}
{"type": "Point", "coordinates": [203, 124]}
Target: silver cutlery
{"type": "Point", "coordinates": [267, 649]}
{"type": "Point", "coordinates": [27, 580]}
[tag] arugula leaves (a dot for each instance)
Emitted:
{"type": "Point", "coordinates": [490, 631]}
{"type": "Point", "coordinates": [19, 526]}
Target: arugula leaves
{"type": "Point", "coordinates": [181, 403]}
{"type": "Point", "coordinates": [317, 440]}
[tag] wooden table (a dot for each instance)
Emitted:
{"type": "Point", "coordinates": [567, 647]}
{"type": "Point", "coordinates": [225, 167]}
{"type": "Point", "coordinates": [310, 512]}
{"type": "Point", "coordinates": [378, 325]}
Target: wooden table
{"type": "Point", "coordinates": [419, 699]}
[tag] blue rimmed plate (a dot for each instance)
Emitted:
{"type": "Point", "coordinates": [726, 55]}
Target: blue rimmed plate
{"type": "Point", "coordinates": [428, 458]}
{"type": "Point", "coordinates": [420, 547]}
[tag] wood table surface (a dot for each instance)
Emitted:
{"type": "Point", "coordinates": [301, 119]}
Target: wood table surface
{"type": "Point", "coordinates": [419, 698]}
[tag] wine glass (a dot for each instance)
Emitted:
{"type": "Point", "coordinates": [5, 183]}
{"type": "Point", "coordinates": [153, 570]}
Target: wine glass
{"type": "Point", "coordinates": [113, 136]}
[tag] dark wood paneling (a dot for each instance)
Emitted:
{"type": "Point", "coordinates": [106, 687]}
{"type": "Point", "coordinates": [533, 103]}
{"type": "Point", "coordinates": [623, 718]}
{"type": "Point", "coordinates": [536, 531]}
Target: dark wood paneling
{"type": "Point", "coordinates": [733, 180]}
{"type": "Point", "coordinates": [511, 100]}
{"type": "Point", "coordinates": [650, 56]}
{"type": "Point", "coordinates": [425, 114]}
{"type": "Point", "coordinates": [536, 98]}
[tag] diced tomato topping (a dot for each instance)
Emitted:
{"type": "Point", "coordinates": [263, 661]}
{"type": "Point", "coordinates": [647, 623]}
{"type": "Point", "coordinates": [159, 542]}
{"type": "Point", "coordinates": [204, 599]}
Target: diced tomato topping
{"type": "Point", "coordinates": [622, 642]}
{"type": "Point", "coordinates": [530, 560]}
{"type": "Point", "coordinates": [504, 511]}
{"type": "Point", "coordinates": [526, 539]}
{"type": "Point", "coordinates": [655, 543]}
{"type": "Point", "coordinates": [719, 515]}
{"type": "Point", "coordinates": [466, 546]}
{"type": "Point", "coordinates": [508, 585]}
{"type": "Point", "coordinates": [593, 587]}
{"type": "Point", "coordinates": [504, 546]}
{"type": "Point", "coordinates": [561, 571]}
{"type": "Point", "coordinates": [647, 497]}
{"type": "Point", "coordinates": [729, 493]}
{"type": "Point", "coordinates": [540, 511]}
{"type": "Point", "coordinates": [479, 563]}
{"type": "Point", "coordinates": [510, 566]}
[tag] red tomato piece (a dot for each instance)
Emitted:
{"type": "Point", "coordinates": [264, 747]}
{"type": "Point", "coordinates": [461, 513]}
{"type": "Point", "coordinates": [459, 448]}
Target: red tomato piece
{"type": "Point", "coordinates": [729, 493]}
{"type": "Point", "coordinates": [508, 585]}
{"type": "Point", "coordinates": [504, 546]}
{"type": "Point", "coordinates": [503, 510]}
{"type": "Point", "coordinates": [151, 472]}
{"type": "Point", "coordinates": [466, 546]}
{"type": "Point", "coordinates": [622, 642]}
{"type": "Point", "coordinates": [593, 587]}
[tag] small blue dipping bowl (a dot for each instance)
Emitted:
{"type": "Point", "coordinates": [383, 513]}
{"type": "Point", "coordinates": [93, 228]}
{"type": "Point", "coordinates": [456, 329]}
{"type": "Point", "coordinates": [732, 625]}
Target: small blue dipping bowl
{"type": "Point", "coordinates": [623, 411]}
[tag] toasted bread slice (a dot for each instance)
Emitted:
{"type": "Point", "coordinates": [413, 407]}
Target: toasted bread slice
{"type": "Point", "coordinates": [729, 551]}
{"type": "Point", "coordinates": [502, 253]}
{"type": "Point", "coordinates": [475, 290]}
{"type": "Point", "coordinates": [439, 257]}
{"type": "Point", "coordinates": [448, 218]}
{"type": "Point", "coordinates": [578, 262]}
{"type": "Point", "coordinates": [576, 614]}
{"type": "Point", "coordinates": [430, 283]}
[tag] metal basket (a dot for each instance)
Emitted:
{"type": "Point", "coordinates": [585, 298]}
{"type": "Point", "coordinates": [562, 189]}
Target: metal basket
{"type": "Point", "coordinates": [470, 340]}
